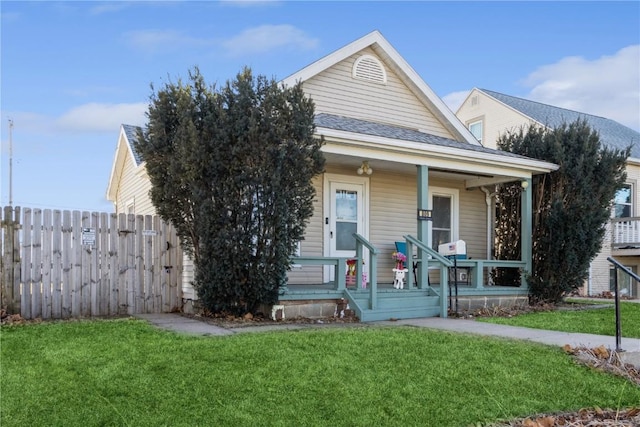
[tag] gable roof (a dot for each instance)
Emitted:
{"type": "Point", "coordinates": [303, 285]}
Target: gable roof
{"type": "Point", "coordinates": [403, 70]}
{"type": "Point", "coordinates": [612, 133]}
{"type": "Point", "coordinates": [132, 137]}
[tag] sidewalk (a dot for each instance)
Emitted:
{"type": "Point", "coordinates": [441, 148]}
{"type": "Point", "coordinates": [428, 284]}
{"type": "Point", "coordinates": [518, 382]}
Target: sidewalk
{"type": "Point", "coordinates": [631, 346]}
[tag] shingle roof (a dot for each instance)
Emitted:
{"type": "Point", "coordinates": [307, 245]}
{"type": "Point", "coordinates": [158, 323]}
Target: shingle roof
{"type": "Point", "coordinates": [612, 133]}
{"type": "Point", "coordinates": [132, 137]}
{"type": "Point", "coordinates": [365, 127]}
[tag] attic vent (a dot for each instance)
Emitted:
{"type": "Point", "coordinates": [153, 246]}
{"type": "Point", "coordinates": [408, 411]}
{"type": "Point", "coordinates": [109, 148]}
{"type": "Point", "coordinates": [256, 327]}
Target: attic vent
{"type": "Point", "coordinates": [474, 101]}
{"type": "Point", "coordinates": [370, 69]}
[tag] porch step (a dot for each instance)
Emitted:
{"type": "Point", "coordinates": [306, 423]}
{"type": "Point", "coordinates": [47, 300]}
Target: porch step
{"type": "Point", "coordinates": [403, 304]}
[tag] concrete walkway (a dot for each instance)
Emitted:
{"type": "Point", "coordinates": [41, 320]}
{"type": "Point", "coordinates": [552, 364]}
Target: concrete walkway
{"type": "Point", "coordinates": [631, 346]}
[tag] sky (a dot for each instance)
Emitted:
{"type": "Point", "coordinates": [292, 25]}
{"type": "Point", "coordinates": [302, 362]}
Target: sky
{"type": "Point", "coordinates": [72, 72]}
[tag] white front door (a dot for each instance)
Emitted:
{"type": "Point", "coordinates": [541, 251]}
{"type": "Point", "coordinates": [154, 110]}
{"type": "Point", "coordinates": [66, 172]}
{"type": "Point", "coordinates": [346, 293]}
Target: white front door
{"type": "Point", "coordinates": [346, 207]}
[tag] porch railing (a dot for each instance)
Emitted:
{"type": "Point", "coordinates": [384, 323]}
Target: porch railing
{"type": "Point", "coordinates": [425, 256]}
{"type": "Point", "coordinates": [361, 244]}
{"type": "Point", "coordinates": [625, 233]}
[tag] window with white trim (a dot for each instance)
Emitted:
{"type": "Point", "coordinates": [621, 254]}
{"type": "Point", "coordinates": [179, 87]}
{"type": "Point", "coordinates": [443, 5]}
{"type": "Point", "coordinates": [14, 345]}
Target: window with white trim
{"type": "Point", "coordinates": [623, 202]}
{"type": "Point", "coordinates": [444, 225]}
{"type": "Point", "coordinates": [476, 129]}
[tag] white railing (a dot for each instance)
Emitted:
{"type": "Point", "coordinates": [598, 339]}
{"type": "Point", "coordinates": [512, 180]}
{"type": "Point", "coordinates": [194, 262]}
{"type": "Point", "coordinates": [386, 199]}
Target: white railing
{"type": "Point", "coordinates": [625, 233]}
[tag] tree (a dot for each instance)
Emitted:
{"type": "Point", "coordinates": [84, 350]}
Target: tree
{"type": "Point", "coordinates": [232, 170]}
{"type": "Point", "coordinates": [571, 206]}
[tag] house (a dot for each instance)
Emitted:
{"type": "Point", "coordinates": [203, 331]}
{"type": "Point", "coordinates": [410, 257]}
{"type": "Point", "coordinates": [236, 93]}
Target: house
{"type": "Point", "coordinates": [400, 167]}
{"type": "Point", "coordinates": [487, 114]}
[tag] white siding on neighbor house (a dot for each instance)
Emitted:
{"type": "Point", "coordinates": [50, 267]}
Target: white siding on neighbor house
{"type": "Point", "coordinates": [392, 214]}
{"type": "Point", "coordinates": [600, 267]}
{"type": "Point", "coordinates": [335, 91]}
{"type": "Point", "coordinates": [496, 118]}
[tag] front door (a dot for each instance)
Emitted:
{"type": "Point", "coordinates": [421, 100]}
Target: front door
{"type": "Point", "coordinates": [345, 214]}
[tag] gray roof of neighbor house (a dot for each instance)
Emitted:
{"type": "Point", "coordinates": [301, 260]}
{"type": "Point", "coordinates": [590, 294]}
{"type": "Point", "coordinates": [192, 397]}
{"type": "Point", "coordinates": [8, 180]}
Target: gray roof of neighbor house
{"type": "Point", "coordinates": [365, 127]}
{"type": "Point", "coordinates": [612, 133]}
{"type": "Point", "coordinates": [132, 137]}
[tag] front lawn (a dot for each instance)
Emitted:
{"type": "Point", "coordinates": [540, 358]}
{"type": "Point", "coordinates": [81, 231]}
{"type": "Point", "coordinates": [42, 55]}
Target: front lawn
{"type": "Point", "coordinates": [599, 321]}
{"type": "Point", "coordinates": [125, 372]}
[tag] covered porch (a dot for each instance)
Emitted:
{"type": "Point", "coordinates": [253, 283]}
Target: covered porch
{"type": "Point", "coordinates": [437, 284]}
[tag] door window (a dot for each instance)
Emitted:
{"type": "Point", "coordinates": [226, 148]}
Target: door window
{"type": "Point", "coordinates": [346, 203]}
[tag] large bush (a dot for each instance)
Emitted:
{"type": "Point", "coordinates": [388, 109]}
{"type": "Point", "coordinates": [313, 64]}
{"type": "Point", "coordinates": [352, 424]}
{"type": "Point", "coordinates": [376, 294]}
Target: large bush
{"type": "Point", "coordinates": [232, 169]}
{"type": "Point", "coordinates": [571, 206]}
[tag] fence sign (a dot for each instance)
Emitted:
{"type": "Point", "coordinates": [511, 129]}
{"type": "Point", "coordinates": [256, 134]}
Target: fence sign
{"type": "Point", "coordinates": [88, 237]}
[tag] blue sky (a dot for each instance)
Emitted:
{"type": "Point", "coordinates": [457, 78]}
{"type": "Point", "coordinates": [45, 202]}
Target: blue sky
{"type": "Point", "coordinates": [72, 72]}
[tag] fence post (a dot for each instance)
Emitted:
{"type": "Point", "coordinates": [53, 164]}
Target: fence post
{"type": "Point", "coordinates": [10, 260]}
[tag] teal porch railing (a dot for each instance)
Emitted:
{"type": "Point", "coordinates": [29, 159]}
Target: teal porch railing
{"type": "Point", "coordinates": [425, 257]}
{"type": "Point", "coordinates": [367, 300]}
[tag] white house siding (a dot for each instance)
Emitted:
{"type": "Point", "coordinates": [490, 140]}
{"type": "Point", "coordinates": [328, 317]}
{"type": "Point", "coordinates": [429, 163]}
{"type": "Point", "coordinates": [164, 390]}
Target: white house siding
{"type": "Point", "coordinates": [335, 91]}
{"type": "Point", "coordinates": [600, 267]}
{"type": "Point", "coordinates": [392, 214]}
{"type": "Point", "coordinates": [496, 118]}
{"type": "Point", "coordinates": [312, 243]}
{"type": "Point", "coordinates": [134, 188]}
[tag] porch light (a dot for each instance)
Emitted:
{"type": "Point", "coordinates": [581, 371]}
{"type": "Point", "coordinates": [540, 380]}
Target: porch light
{"type": "Point", "coordinates": [364, 169]}
{"type": "Point", "coordinates": [524, 184]}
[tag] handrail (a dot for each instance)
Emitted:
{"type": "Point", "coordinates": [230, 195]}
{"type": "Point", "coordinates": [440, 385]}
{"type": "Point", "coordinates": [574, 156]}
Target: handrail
{"type": "Point", "coordinates": [361, 243]}
{"type": "Point", "coordinates": [617, 298]}
{"type": "Point", "coordinates": [433, 253]}
{"type": "Point", "coordinates": [445, 263]}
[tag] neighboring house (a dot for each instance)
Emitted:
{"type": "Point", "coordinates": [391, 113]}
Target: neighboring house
{"type": "Point", "coordinates": [400, 167]}
{"type": "Point", "coordinates": [488, 114]}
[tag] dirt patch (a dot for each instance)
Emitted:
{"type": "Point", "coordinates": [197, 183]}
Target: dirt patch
{"type": "Point", "coordinates": [260, 319]}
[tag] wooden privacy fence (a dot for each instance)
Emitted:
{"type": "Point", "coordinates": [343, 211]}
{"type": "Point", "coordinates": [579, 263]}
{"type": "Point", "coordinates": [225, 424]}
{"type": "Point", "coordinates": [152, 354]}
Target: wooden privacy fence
{"type": "Point", "coordinates": [61, 264]}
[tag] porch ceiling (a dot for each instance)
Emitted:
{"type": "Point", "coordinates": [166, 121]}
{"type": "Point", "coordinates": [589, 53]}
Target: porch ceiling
{"type": "Point", "coordinates": [471, 179]}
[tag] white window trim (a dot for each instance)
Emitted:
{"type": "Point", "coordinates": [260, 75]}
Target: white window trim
{"type": "Point", "coordinates": [481, 123]}
{"type": "Point", "coordinates": [454, 193]}
{"type": "Point", "coordinates": [131, 203]}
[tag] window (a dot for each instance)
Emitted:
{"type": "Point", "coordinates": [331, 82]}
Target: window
{"type": "Point", "coordinates": [627, 285]}
{"type": "Point", "coordinates": [130, 206]}
{"type": "Point", "coordinates": [444, 219]}
{"type": "Point", "coordinates": [441, 230]}
{"type": "Point", "coordinates": [476, 129]}
{"type": "Point", "coordinates": [622, 202]}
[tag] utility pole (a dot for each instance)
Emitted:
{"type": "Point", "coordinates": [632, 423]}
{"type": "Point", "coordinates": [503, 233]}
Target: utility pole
{"type": "Point", "coordinates": [10, 162]}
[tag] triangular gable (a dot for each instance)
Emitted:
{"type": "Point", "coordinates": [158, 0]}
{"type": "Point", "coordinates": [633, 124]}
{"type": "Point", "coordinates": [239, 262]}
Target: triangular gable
{"type": "Point", "coordinates": [125, 152]}
{"type": "Point", "coordinates": [383, 50]}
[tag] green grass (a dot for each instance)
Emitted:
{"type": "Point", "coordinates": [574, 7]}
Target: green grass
{"type": "Point", "coordinates": [126, 373]}
{"type": "Point", "coordinates": [600, 321]}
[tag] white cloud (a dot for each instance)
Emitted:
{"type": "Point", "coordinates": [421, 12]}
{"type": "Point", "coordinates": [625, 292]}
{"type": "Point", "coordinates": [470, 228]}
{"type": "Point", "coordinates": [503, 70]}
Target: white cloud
{"type": "Point", "coordinates": [269, 37]}
{"type": "Point", "coordinates": [95, 117]}
{"type": "Point", "coordinates": [608, 86]}
{"type": "Point", "coordinates": [455, 99]}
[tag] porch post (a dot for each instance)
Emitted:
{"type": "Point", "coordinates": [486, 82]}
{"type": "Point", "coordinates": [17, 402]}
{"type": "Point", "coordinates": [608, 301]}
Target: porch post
{"type": "Point", "coordinates": [424, 227]}
{"type": "Point", "coordinates": [526, 228]}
